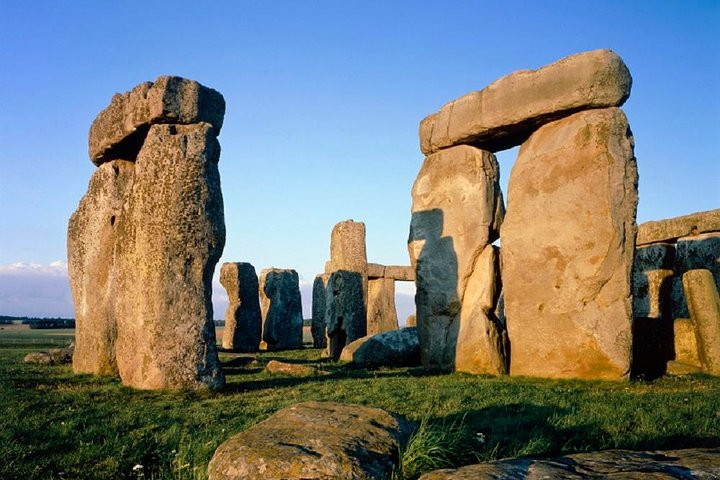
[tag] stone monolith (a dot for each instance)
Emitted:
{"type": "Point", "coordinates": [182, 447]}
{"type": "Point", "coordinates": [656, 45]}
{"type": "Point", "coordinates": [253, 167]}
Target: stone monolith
{"type": "Point", "coordinates": [243, 325]}
{"type": "Point", "coordinates": [568, 241]}
{"type": "Point", "coordinates": [693, 252]}
{"type": "Point", "coordinates": [319, 311]}
{"type": "Point", "coordinates": [169, 237]}
{"type": "Point", "coordinates": [346, 315]}
{"type": "Point", "coordinates": [381, 311]}
{"type": "Point", "coordinates": [281, 307]}
{"type": "Point", "coordinates": [457, 209]}
{"type": "Point", "coordinates": [703, 302]}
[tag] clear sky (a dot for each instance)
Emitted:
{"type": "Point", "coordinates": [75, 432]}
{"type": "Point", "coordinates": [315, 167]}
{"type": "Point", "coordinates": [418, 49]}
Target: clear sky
{"type": "Point", "coordinates": [323, 99]}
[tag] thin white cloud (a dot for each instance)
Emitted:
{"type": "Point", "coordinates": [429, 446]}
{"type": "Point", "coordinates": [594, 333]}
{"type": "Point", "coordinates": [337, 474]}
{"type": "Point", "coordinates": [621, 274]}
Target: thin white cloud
{"type": "Point", "coordinates": [35, 290]}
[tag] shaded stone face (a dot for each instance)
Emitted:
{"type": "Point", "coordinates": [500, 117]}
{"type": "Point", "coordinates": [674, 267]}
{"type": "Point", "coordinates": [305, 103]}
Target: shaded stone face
{"type": "Point", "coordinates": [506, 112]}
{"type": "Point", "coordinates": [119, 130]}
{"type": "Point", "coordinates": [243, 325]}
{"type": "Point", "coordinates": [91, 266]}
{"type": "Point", "coordinates": [315, 440]}
{"type": "Point", "coordinates": [692, 253]}
{"type": "Point", "coordinates": [169, 238]}
{"type": "Point", "coordinates": [703, 302]}
{"type": "Point", "coordinates": [652, 280]}
{"type": "Point", "coordinates": [381, 311]}
{"type": "Point", "coordinates": [456, 211]}
{"type": "Point", "coordinates": [567, 248]}
{"type": "Point", "coordinates": [319, 311]}
{"type": "Point", "coordinates": [281, 308]}
{"type": "Point", "coordinates": [393, 348]}
{"type": "Point", "coordinates": [346, 314]}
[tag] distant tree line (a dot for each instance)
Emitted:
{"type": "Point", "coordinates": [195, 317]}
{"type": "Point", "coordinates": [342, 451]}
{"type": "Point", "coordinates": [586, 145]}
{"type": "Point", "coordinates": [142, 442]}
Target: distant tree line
{"type": "Point", "coordinates": [36, 323]}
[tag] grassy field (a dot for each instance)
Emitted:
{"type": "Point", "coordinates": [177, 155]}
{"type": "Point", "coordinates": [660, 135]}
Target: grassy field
{"type": "Point", "coordinates": [54, 424]}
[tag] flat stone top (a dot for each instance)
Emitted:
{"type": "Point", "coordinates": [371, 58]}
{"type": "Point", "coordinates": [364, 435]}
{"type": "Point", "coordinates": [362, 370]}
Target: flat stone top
{"type": "Point", "coordinates": [119, 130]}
{"type": "Point", "coordinates": [507, 111]}
{"type": "Point", "coordinates": [671, 229]}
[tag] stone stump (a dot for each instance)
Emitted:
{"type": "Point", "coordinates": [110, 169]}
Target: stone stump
{"type": "Point", "coordinates": [281, 309]}
{"type": "Point", "coordinates": [457, 209]}
{"type": "Point", "coordinates": [243, 325]}
{"type": "Point", "coordinates": [381, 311]}
{"type": "Point", "coordinates": [567, 248]}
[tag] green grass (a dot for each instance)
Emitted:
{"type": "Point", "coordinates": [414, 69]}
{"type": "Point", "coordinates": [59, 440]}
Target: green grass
{"type": "Point", "coordinates": [54, 424]}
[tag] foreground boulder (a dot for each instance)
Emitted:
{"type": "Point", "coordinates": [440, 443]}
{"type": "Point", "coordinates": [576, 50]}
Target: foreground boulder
{"type": "Point", "coordinates": [691, 463]}
{"type": "Point", "coordinates": [568, 241]}
{"type": "Point", "coordinates": [394, 348]}
{"type": "Point", "coordinates": [243, 325]}
{"type": "Point", "coordinates": [507, 111]}
{"type": "Point", "coordinates": [54, 356]}
{"type": "Point", "coordinates": [314, 440]}
{"type": "Point", "coordinates": [281, 308]}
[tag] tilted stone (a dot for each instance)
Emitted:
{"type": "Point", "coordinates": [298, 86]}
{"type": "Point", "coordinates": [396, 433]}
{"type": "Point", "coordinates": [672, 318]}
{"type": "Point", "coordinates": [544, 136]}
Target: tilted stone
{"type": "Point", "coordinates": [319, 311]}
{"type": "Point", "coordinates": [691, 253]}
{"type": "Point", "coordinates": [169, 238]}
{"type": "Point", "coordinates": [281, 307]}
{"type": "Point", "coordinates": [673, 228]}
{"type": "Point", "coordinates": [91, 266]}
{"type": "Point", "coordinates": [457, 209]}
{"type": "Point", "coordinates": [243, 325]}
{"type": "Point", "coordinates": [568, 246]}
{"type": "Point", "coordinates": [394, 348]}
{"type": "Point", "coordinates": [506, 112]}
{"type": "Point", "coordinates": [703, 301]}
{"type": "Point", "coordinates": [381, 311]}
{"type": "Point", "coordinates": [652, 280]}
{"type": "Point", "coordinates": [119, 130]}
{"type": "Point", "coordinates": [314, 440]}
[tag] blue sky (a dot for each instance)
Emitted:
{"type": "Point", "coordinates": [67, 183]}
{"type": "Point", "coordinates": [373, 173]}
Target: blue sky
{"type": "Point", "coordinates": [323, 99]}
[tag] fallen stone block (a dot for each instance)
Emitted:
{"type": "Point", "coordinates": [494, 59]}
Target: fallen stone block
{"type": "Point", "coordinates": [291, 369]}
{"type": "Point", "coordinates": [394, 348]}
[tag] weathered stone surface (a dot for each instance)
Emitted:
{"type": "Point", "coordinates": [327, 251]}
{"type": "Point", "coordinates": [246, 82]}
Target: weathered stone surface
{"type": "Point", "coordinates": [314, 441]}
{"type": "Point", "coordinates": [346, 314]}
{"type": "Point", "coordinates": [393, 348]}
{"type": "Point", "coordinates": [685, 342]}
{"type": "Point", "coordinates": [652, 280]}
{"type": "Point", "coordinates": [118, 131]}
{"type": "Point", "coordinates": [91, 266]}
{"type": "Point", "coordinates": [679, 368]}
{"type": "Point", "coordinates": [703, 301]}
{"type": "Point", "coordinates": [482, 343]}
{"type": "Point", "coordinates": [375, 270]}
{"type": "Point", "coordinates": [567, 248]}
{"type": "Point", "coordinates": [348, 251]}
{"type": "Point", "coordinates": [291, 369]}
{"type": "Point", "coordinates": [169, 237]}
{"type": "Point", "coordinates": [691, 253]}
{"type": "Point", "coordinates": [54, 356]}
{"type": "Point", "coordinates": [243, 325]}
{"type": "Point", "coordinates": [700, 463]}
{"type": "Point", "coordinates": [457, 210]}
{"type": "Point", "coordinates": [281, 307]}
{"type": "Point", "coordinates": [381, 311]}
{"type": "Point", "coordinates": [674, 228]}
{"type": "Point", "coordinates": [506, 112]}
{"type": "Point", "coordinates": [400, 273]}
{"type": "Point", "coordinates": [319, 311]}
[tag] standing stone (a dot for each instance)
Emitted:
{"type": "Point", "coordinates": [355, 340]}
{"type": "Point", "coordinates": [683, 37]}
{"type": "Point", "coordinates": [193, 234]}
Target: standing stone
{"type": "Point", "coordinates": [319, 311]}
{"type": "Point", "coordinates": [692, 253]}
{"type": "Point", "coordinates": [91, 267]}
{"type": "Point", "coordinates": [686, 351]}
{"type": "Point", "coordinates": [381, 311]}
{"type": "Point", "coordinates": [348, 251]}
{"type": "Point", "coordinates": [457, 210]}
{"type": "Point", "coordinates": [346, 317]}
{"type": "Point", "coordinates": [567, 248]}
{"type": "Point", "coordinates": [243, 325]}
{"type": "Point", "coordinates": [281, 307]}
{"type": "Point", "coordinates": [507, 111]}
{"type": "Point", "coordinates": [652, 280]}
{"type": "Point", "coordinates": [482, 344]}
{"type": "Point", "coordinates": [169, 237]}
{"type": "Point", "coordinates": [703, 301]}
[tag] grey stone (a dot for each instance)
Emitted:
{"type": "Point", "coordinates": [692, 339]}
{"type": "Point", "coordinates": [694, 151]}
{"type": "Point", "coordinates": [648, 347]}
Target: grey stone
{"type": "Point", "coordinates": [673, 228]}
{"type": "Point", "coordinates": [694, 252]}
{"type": "Point", "coordinates": [319, 311]}
{"type": "Point", "coordinates": [506, 112]}
{"type": "Point", "coordinates": [568, 246]}
{"type": "Point", "coordinates": [243, 323]}
{"type": "Point", "coordinates": [393, 348]}
{"type": "Point", "coordinates": [381, 311]}
{"type": "Point", "coordinates": [652, 280]}
{"type": "Point", "coordinates": [346, 314]}
{"type": "Point", "coordinates": [281, 307]}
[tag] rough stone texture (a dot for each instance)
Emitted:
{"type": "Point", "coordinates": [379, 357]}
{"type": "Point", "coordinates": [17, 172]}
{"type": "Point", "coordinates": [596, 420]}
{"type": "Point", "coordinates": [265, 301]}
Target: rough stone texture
{"type": "Point", "coordinates": [381, 311]}
{"type": "Point", "coordinates": [457, 209]}
{"type": "Point", "coordinates": [685, 343]}
{"type": "Point", "coordinates": [54, 356]}
{"type": "Point", "coordinates": [118, 131]}
{"type": "Point", "coordinates": [281, 307]}
{"type": "Point", "coordinates": [568, 246]}
{"type": "Point", "coordinates": [652, 280]}
{"type": "Point", "coordinates": [400, 273]}
{"type": "Point", "coordinates": [482, 344]}
{"type": "Point", "coordinates": [375, 270]}
{"type": "Point", "coordinates": [319, 311]}
{"type": "Point", "coordinates": [348, 251]}
{"type": "Point", "coordinates": [691, 463]}
{"type": "Point", "coordinates": [694, 252]}
{"type": "Point", "coordinates": [346, 314]}
{"type": "Point", "coordinates": [507, 111]}
{"type": "Point", "coordinates": [394, 348]}
{"type": "Point", "coordinates": [91, 266]}
{"type": "Point", "coordinates": [169, 237]}
{"type": "Point", "coordinates": [674, 228]}
{"type": "Point", "coordinates": [291, 369]}
{"type": "Point", "coordinates": [243, 325]}
{"type": "Point", "coordinates": [703, 301]}
{"type": "Point", "coordinates": [314, 441]}
{"type": "Point", "coordinates": [679, 368]}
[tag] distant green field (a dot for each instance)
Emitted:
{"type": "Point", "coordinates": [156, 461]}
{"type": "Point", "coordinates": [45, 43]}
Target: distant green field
{"type": "Point", "coordinates": [12, 335]}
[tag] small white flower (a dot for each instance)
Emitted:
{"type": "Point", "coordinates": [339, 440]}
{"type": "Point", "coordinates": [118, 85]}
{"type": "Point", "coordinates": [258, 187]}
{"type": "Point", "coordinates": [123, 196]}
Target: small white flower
{"type": "Point", "coordinates": [137, 468]}
{"type": "Point", "coordinates": [480, 437]}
